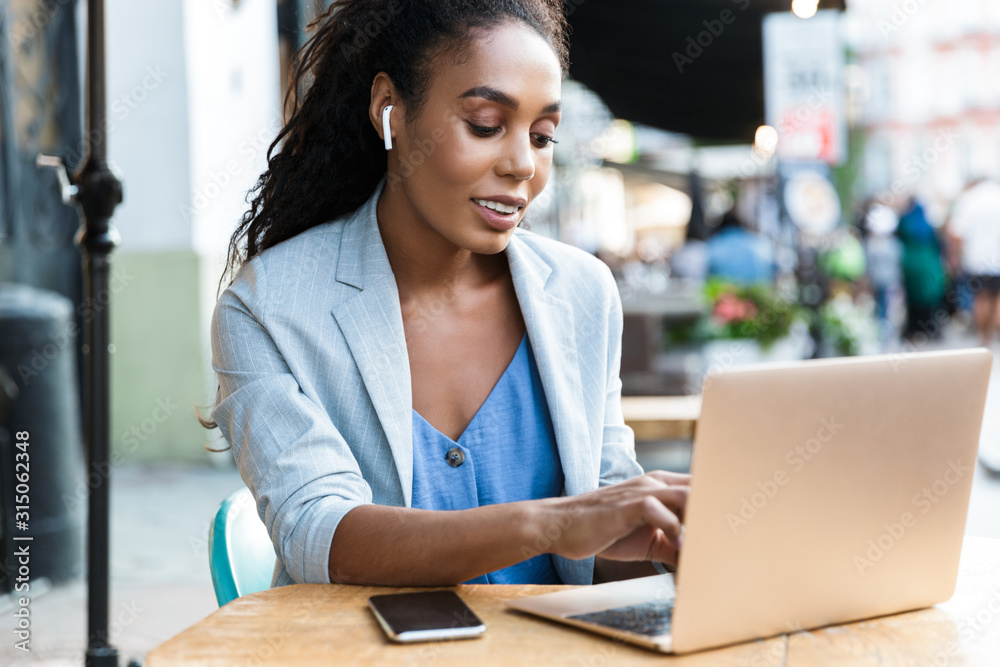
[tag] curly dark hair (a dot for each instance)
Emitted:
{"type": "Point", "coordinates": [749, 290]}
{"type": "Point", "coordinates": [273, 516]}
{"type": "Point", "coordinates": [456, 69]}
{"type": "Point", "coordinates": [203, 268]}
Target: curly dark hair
{"type": "Point", "coordinates": [327, 159]}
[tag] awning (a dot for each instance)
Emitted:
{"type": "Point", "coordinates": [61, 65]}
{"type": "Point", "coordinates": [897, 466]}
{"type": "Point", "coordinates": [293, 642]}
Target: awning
{"type": "Point", "coordinates": [690, 66]}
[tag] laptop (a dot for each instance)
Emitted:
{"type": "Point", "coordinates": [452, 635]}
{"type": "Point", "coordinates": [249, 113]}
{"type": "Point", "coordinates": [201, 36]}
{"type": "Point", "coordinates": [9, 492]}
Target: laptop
{"type": "Point", "coordinates": [822, 492]}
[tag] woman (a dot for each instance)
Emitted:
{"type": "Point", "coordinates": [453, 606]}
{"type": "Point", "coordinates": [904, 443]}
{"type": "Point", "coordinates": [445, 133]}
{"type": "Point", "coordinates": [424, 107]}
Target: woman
{"type": "Point", "coordinates": [416, 391]}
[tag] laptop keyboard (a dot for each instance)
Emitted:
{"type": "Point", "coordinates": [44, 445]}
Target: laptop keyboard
{"type": "Point", "coordinates": [649, 618]}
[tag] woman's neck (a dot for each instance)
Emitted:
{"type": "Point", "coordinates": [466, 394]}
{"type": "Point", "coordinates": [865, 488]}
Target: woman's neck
{"type": "Point", "coordinates": [422, 260]}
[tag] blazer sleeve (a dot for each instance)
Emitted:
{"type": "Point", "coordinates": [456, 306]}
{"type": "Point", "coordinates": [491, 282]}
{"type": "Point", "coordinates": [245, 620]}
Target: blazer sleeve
{"type": "Point", "coordinates": [291, 456]}
{"type": "Point", "coordinates": [618, 461]}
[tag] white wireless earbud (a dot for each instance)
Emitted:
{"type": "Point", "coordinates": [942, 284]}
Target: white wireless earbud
{"type": "Point", "coordinates": [386, 132]}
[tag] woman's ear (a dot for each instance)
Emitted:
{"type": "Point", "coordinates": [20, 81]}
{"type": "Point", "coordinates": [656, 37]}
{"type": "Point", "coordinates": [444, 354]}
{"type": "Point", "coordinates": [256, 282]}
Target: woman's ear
{"type": "Point", "coordinates": [383, 95]}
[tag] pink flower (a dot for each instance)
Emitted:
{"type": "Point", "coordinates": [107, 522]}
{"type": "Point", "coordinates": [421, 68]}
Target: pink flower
{"type": "Point", "coordinates": [730, 308]}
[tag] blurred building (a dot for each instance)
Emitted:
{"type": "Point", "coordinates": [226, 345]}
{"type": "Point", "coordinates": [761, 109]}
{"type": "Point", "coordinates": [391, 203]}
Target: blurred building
{"type": "Point", "coordinates": [928, 84]}
{"type": "Point", "coordinates": [193, 103]}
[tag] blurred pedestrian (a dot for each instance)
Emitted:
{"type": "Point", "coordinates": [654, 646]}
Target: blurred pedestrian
{"type": "Point", "coordinates": [884, 255]}
{"type": "Point", "coordinates": [974, 232]}
{"type": "Point", "coordinates": [739, 255]}
{"type": "Point", "coordinates": [923, 273]}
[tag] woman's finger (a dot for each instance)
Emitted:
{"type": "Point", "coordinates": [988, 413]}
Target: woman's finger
{"type": "Point", "coordinates": [662, 551]}
{"type": "Point", "coordinates": [671, 478]}
{"type": "Point", "coordinates": [653, 512]}
{"type": "Point", "coordinates": [674, 498]}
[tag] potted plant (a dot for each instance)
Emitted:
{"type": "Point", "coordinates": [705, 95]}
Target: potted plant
{"type": "Point", "coordinates": [849, 328]}
{"type": "Point", "coordinates": [744, 324]}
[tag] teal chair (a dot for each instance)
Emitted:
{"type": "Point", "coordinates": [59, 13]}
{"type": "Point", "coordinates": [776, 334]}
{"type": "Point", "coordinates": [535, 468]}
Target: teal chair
{"type": "Point", "coordinates": [239, 549]}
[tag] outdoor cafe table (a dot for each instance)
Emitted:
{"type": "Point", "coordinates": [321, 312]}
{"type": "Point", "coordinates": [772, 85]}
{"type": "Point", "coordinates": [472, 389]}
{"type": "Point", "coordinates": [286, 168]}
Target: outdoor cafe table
{"type": "Point", "coordinates": [662, 417]}
{"type": "Point", "coordinates": [331, 625]}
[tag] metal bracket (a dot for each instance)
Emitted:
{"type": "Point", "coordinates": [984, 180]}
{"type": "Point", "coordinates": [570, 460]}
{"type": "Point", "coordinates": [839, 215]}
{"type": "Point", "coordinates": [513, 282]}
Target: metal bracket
{"type": "Point", "coordinates": [66, 187]}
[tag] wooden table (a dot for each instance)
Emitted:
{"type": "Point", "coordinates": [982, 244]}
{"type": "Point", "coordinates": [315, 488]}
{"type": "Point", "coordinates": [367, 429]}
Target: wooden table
{"type": "Point", "coordinates": [662, 417]}
{"type": "Point", "coordinates": [331, 625]}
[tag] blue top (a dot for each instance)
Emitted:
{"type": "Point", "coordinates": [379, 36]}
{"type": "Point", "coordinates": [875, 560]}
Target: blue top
{"type": "Point", "coordinates": [508, 453]}
{"type": "Point", "coordinates": [739, 256]}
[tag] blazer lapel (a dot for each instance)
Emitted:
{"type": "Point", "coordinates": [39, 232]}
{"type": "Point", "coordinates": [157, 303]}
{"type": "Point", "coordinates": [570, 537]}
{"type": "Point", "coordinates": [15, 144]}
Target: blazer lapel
{"type": "Point", "coordinates": [372, 324]}
{"type": "Point", "coordinates": [548, 319]}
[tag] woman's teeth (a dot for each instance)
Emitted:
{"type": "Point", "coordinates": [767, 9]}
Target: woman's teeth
{"type": "Point", "coordinates": [496, 206]}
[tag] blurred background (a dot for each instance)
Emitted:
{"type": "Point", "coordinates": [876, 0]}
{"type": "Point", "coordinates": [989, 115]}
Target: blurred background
{"type": "Point", "coordinates": [767, 179]}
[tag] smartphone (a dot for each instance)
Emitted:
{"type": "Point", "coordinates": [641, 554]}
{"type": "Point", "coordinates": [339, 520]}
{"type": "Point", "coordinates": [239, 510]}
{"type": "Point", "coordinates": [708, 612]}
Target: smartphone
{"type": "Point", "coordinates": [425, 616]}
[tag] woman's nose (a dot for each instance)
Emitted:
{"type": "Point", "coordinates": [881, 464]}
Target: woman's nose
{"type": "Point", "coordinates": [518, 160]}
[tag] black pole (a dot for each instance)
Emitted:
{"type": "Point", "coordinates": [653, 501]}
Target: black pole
{"type": "Point", "coordinates": [98, 192]}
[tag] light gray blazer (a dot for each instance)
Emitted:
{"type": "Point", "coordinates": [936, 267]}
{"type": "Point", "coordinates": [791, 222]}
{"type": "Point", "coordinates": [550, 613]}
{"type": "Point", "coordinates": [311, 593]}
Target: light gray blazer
{"type": "Point", "coordinates": [314, 380]}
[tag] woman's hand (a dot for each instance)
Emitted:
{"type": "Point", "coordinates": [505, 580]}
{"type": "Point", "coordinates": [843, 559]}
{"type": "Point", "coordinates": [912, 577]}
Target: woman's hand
{"type": "Point", "coordinates": [636, 520]}
{"type": "Point", "coordinates": [639, 519]}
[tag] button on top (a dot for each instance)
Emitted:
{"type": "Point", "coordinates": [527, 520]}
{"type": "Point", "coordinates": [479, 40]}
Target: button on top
{"type": "Point", "coordinates": [455, 457]}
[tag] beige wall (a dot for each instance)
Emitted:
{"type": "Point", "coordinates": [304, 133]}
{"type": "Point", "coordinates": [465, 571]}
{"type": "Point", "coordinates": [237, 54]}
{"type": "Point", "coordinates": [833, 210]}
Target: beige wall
{"type": "Point", "coordinates": [159, 367]}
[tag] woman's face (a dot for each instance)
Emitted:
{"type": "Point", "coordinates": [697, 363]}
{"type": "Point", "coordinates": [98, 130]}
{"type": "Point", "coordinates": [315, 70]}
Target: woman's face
{"type": "Point", "coordinates": [483, 137]}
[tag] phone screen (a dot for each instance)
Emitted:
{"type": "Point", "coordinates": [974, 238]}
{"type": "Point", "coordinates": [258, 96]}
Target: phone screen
{"type": "Point", "coordinates": [425, 616]}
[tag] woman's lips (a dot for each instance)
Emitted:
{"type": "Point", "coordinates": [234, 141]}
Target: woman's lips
{"type": "Point", "coordinates": [501, 222]}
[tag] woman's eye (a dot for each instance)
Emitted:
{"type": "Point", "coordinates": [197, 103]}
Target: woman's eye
{"type": "Point", "coordinates": [484, 131]}
{"type": "Point", "coordinates": [543, 140]}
